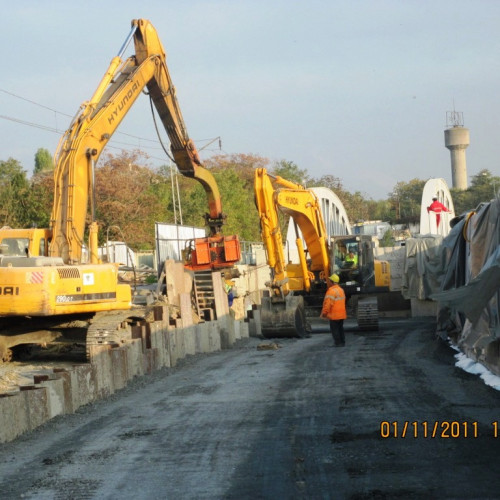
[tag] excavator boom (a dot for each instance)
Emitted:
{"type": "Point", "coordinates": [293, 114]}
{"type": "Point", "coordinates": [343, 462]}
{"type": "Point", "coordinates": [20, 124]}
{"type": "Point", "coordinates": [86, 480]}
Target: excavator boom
{"type": "Point", "coordinates": [92, 128]}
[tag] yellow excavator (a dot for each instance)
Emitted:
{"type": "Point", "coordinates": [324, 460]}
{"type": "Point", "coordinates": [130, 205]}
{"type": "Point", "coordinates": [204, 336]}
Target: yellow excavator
{"type": "Point", "coordinates": [53, 284]}
{"type": "Point", "coordinates": [296, 290]}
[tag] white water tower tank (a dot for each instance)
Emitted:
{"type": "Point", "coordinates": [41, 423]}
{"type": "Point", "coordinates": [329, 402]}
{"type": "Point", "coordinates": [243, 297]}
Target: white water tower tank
{"type": "Point", "coordinates": [457, 139]}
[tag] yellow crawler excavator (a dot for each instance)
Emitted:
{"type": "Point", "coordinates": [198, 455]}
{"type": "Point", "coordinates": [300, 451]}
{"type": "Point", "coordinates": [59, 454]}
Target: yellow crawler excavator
{"type": "Point", "coordinates": [296, 290]}
{"type": "Point", "coordinates": [47, 286]}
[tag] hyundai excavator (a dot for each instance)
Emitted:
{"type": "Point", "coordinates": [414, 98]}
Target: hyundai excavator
{"type": "Point", "coordinates": [296, 290]}
{"type": "Point", "coordinates": [48, 287]}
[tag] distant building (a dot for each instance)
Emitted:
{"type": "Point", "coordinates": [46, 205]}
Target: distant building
{"type": "Point", "coordinates": [375, 228]}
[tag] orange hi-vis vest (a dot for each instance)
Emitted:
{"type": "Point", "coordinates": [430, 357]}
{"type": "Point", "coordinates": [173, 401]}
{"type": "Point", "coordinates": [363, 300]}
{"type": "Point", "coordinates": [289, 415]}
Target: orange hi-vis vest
{"type": "Point", "coordinates": [334, 303]}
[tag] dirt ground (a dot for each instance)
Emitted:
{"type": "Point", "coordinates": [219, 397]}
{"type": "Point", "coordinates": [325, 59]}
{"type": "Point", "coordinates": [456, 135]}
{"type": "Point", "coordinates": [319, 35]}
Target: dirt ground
{"type": "Point", "coordinates": [388, 416]}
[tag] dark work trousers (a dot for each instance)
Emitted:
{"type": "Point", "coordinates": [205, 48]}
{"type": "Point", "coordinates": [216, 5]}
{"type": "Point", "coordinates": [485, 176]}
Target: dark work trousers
{"type": "Point", "coordinates": [337, 329]}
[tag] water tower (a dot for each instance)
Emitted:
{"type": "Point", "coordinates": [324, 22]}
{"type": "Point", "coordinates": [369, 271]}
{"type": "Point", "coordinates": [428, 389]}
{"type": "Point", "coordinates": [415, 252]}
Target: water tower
{"type": "Point", "coordinates": [456, 139]}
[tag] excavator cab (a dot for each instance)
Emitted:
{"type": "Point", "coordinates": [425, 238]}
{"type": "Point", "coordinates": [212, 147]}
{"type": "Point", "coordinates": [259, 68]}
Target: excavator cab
{"type": "Point", "coordinates": [353, 262]}
{"type": "Point", "coordinates": [361, 275]}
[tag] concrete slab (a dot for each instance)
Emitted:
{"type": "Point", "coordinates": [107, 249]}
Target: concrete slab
{"type": "Point", "coordinates": [119, 368]}
{"type": "Point", "coordinates": [172, 343]}
{"type": "Point", "coordinates": [189, 340]}
{"type": "Point", "coordinates": [14, 417]}
{"type": "Point", "coordinates": [214, 336]}
{"type": "Point", "coordinates": [56, 397]}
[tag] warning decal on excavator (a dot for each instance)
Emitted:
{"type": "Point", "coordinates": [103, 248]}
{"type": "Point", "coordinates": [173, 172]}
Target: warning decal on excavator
{"type": "Point", "coordinates": [34, 277]}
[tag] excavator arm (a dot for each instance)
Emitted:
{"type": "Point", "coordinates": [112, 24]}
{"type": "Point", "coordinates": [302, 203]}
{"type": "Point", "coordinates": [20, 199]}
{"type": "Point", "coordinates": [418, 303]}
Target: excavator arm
{"type": "Point", "coordinates": [92, 128]}
{"type": "Point", "coordinates": [273, 195]}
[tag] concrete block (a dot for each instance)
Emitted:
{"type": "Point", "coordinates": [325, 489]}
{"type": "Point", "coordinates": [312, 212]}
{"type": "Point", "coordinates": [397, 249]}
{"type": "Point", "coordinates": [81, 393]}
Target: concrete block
{"type": "Point", "coordinates": [244, 333]}
{"type": "Point", "coordinates": [36, 404]}
{"type": "Point", "coordinates": [177, 281]}
{"type": "Point", "coordinates": [84, 385]}
{"type": "Point", "coordinates": [236, 327]}
{"type": "Point", "coordinates": [154, 360]}
{"type": "Point", "coordinates": [56, 397]}
{"type": "Point", "coordinates": [103, 369]}
{"type": "Point", "coordinates": [166, 347]}
{"type": "Point", "coordinates": [190, 340]}
{"type": "Point", "coordinates": [186, 309]}
{"type": "Point", "coordinates": [135, 362]}
{"type": "Point", "coordinates": [221, 302]}
{"type": "Point", "coordinates": [252, 327]}
{"type": "Point", "coordinates": [180, 343]}
{"type": "Point", "coordinates": [14, 417]}
{"type": "Point", "coordinates": [201, 338]}
{"type": "Point", "coordinates": [157, 342]}
{"type": "Point", "coordinates": [69, 387]}
{"type": "Point", "coordinates": [227, 334]}
{"type": "Point", "coordinates": [258, 321]}
{"type": "Point", "coordinates": [119, 368]}
{"type": "Point", "coordinates": [172, 343]}
{"type": "Point", "coordinates": [214, 336]}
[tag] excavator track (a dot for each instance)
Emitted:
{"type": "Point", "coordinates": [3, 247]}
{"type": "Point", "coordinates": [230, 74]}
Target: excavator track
{"type": "Point", "coordinates": [367, 313]}
{"type": "Point", "coordinates": [112, 328]}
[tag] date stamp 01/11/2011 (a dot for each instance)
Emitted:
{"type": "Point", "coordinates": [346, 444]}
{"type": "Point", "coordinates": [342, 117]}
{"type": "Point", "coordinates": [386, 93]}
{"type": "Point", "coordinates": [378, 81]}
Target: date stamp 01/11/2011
{"type": "Point", "coordinates": [438, 430]}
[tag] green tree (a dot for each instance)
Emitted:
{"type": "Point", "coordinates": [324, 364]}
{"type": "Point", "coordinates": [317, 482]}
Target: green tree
{"type": "Point", "coordinates": [291, 172]}
{"type": "Point", "coordinates": [37, 207]}
{"type": "Point", "coordinates": [14, 191]}
{"type": "Point", "coordinates": [388, 239]}
{"type": "Point", "coordinates": [406, 199]}
{"type": "Point", "coordinates": [243, 164]}
{"type": "Point", "coordinates": [239, 206]}
{"type": "Point", "coordinates": [127, 198]}
{"type": "Point", "coordinates": [43, 161]}
{"type": "Point", "coordinates": [483, 187]}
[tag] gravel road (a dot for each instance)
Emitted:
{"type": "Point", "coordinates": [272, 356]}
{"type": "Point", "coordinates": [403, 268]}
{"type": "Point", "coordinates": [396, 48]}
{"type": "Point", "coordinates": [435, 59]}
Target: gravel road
{"type": "Point", "coordinates": [388, 416]}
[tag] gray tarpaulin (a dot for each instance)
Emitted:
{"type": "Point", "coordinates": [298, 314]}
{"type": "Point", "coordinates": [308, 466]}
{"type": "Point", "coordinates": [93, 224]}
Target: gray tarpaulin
{"type": "Point", "coordinates": [470, 279]}
{"type": "Point", "coordinates": [472, 298]}
{"type": "Point", "coordinates": [422, 270]}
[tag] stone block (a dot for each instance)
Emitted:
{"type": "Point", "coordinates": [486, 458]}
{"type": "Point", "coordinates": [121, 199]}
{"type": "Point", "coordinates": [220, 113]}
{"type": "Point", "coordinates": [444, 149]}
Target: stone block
{"type": "Point", "coordinates": [102, 366]}
{"type": "Point", "coordinates": [56, 397]}
{"type": "Point", "coordinates": [119, 368]}
{"type": "Point", "coordinates": [69, 387]}
{"type": "Point", "coordinates": [201, 338]}
{"type": "Point", "coordinates": [135, 361]}
{"type": "Point", "coordinates": [84, 385]}
{"type": "Point", "coordinates": [189, 340]}
{"type": "Point", "coordinates": [214, 336]}
{"type": "Point", "coordinates": [172, 343]}
{"type": "Point", "coordinates": [244, 333]}
{"type": "Point", "coordinates": [14, 417]}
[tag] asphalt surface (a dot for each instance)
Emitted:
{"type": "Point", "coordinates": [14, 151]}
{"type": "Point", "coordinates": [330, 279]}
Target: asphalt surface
{"type": "Point", "coordinates": [388, 416]}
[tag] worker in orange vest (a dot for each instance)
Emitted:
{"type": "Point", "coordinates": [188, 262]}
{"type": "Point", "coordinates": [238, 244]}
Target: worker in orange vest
{"type": "Point", "coordinates": [437, 207]}
{"type": "Point", "coordinates": [334, 310]}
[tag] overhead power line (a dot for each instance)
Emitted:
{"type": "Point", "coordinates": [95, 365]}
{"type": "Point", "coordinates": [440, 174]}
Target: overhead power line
{"type": "Point", "coordinates": [114, 141]}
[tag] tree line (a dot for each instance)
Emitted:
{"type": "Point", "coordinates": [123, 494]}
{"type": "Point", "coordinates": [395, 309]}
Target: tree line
{"type": "Point", "coordinates": [131, 195]}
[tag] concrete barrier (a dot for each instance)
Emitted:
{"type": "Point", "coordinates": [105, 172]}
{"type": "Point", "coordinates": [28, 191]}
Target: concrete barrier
{"type": "Point", "coordinates": [63, 391]}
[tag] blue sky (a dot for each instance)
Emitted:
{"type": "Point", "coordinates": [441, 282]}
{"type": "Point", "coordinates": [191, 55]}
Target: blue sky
{"type": "Point", "coordinates": [355, 89]}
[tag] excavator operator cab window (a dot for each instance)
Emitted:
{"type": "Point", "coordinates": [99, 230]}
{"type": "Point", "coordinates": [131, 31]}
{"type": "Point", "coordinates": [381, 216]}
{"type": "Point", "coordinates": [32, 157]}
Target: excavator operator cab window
{"type": "Point", "coordinates": [347, 259]}
{"type": "Point", "coordinates": [14, 246]}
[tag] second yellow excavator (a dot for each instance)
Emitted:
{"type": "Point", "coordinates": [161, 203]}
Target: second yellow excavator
{"type": "Point", "coordinates": [296, 290]}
